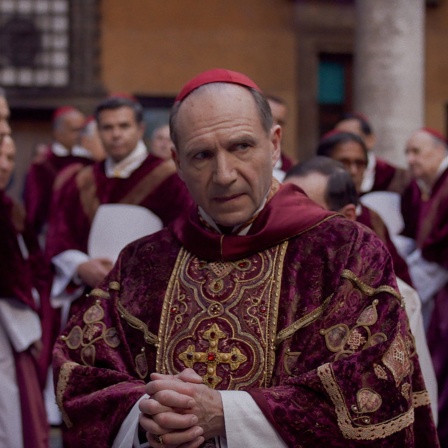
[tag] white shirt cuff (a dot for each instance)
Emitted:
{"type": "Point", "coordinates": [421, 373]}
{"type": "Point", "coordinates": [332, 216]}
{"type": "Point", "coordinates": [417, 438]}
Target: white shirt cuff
{"type": "Point", "coordinates": [246, 424]}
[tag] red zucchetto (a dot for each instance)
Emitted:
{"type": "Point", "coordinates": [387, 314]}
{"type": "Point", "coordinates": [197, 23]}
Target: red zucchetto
{"type": "Point", "coordinates": [215, 75]}
{"type": "Point", "coordinates": [435, 134]}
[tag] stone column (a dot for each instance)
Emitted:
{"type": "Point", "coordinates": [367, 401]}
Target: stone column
{"type": "Point", "coordinates": [389, 71]}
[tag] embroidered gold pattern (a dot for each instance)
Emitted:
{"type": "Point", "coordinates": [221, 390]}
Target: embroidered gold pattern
{"type": "Point", "coordinates": [97, 292]}
{"type": "Point", "coordinates": [368, 400]}
{"type": "Point", "coordinates": [345, 423]}
{"type": "Point", "coordinates": [396, 358]}
{"type": "Point", "coordinates": [141, 365]}
{"type": "Point", "coordinates": [344, 341]}
{"type": "Point", "coordinates": [63, 379]}
{"type": "Point", "coordinates": [421, 398]}
{"type": "Point", "coordinates": [212, 358]}
{"type": "Point", "coordinates": [94, 331]}
{"type": "Point", "coordinates": [368, 290]}
{"type": "Point", "coordinates": [405, 390]}
{"type": "Point", "coordinates": [302, 322]}
{"type": "Point", "coordinates": [236, 301]}
{"type": "Point", "coordinates": [290, 360]}
{"type": "Point", "coordinates": [136, 323]}
{"type": "Point", "coordinates": [114, 285]}
{"type": "Point", "coordinates": [380, 372]}
{"type": "Point", "coordinates": [355, 339]}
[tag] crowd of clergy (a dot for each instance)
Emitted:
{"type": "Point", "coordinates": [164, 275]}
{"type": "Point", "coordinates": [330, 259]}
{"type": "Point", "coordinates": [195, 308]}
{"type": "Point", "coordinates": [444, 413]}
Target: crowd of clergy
{"type": "Point", "coordinates": [50, 260]}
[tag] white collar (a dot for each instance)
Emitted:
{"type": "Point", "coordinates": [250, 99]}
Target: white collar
{"type": "Point", "coordinates": [369, 174]}
{"type": "Point", "coordinates": [61, 151]}
{"type": "Point", "coordinates": [124, 168]}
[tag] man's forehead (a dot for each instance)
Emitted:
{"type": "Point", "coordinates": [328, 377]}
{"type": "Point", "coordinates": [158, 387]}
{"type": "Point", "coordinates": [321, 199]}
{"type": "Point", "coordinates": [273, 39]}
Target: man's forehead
{"type": "Point", "coordinates": [218, 75]}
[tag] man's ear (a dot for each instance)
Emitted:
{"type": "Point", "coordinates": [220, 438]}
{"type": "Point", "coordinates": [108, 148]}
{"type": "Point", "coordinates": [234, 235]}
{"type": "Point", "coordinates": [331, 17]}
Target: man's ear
{"type": "Point", "coordinates": [349, 211]}
{"type": "Point", "coordinates": [276, 139]}
{"type": "Point", "coordinates": [175, 157]}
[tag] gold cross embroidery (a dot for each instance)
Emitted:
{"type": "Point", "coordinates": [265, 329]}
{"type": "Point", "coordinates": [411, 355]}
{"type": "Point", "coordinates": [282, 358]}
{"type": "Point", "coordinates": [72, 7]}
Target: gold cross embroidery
{"type": "Point", "coordinates": [212, 357]}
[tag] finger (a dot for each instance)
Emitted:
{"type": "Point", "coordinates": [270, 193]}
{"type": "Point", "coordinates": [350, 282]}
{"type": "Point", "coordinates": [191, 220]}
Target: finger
{"type": "Point", "coordinates": [176, 438]}
{"type": "Point", "coordinates": [189, 376]}
{"type": "Point", "coordinates": [151, 407]}
{"type": "Point", "coordinates": [180, 387]}
{"type": "Point", "coordinates": [171, 398]}
{"type": "Point", "coordinates": [167, 421]}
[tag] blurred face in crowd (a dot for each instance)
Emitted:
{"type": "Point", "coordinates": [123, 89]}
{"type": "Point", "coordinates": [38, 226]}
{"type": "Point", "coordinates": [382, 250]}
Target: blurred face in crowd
{"type": "Point", "coordinates": [424, 154]}
{"type": "Point", "coordinates": [353, 126]}
{"type": "Point", "coordinates": [4, 117]}
{"type": "Point", "coordinates": [119, 132]}
{"type": "Point", "coordinates": [224, 154]}
{"type": "Point", "coordinates": [7, 160]}
{"type": "Point", "coordinates": [351, 154]}
{"type": "Point", "coordinates": [161, 143]}
{"type": "Point", "coordinates": [68, 128]}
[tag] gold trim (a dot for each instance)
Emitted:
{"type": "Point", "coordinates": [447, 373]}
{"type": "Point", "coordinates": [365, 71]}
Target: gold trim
{"type": "Point", "coordinates": [302, 322]}
{"type": "Point", "coordinates": [421, 398]}
{"type": "Point", "coordinates": [64, 376]}
{"type": "Point", "coordinates": [368, 290]}
{"type": "Point", "coordinates": [136, 323]}
{"type": "Point", "coordinates": [114, 285]}
{"type": "Point", "coordinates": [348, 429]}
{"type": "Point", "coordinates": [97, 292]}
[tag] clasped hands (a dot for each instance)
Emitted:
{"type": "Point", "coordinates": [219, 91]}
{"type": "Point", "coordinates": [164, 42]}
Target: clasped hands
{"type": "Point", "coordinates": [182, 410]}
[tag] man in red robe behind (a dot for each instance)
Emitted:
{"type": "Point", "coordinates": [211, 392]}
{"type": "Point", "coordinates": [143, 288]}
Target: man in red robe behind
{"type": "Point", "coordinates": [424, 207]}
{"type": "Point", "coordinates": [257, 320]}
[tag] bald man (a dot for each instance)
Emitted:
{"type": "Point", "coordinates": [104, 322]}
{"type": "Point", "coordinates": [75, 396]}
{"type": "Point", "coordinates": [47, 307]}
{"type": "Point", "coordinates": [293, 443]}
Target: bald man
{"type": "Point", "coordinates": [259, 319]}
{"type": "Point", "coordinates": [425, 214]}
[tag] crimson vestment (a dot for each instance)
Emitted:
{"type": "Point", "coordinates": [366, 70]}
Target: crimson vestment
{"type": "Point", "coordinates": [426, 221]}
{"type": "Point", "coordinates": [303, 313]}
{"type": "Point", "coordinates": [39, 183]}
{"type": "Point", "coordinates": [23, 274]}
{"type": "Point", "coordinates": [154, 185]}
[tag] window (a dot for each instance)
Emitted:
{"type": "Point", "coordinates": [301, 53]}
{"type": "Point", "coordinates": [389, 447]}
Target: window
{"type": "Point", "coordinates": [34, 43]}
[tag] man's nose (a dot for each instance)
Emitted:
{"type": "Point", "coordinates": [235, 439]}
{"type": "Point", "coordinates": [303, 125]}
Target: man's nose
{"type": "Point", "coordinates": [224, 172]}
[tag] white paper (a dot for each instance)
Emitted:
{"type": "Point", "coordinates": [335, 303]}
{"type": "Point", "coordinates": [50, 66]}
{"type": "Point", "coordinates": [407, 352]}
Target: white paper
{"type": "Point", "coordinates": [116, 225]}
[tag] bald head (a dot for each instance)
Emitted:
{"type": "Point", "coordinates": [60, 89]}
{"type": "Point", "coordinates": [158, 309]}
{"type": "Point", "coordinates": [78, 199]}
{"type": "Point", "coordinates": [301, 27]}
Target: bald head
{"type": "Point", "coordinates": [424, 154]}
{"type": "Point", "coordinates": [67, 127]}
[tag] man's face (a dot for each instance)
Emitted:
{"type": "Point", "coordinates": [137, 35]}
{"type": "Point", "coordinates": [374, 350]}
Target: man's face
{"type": "Point", "coordinates": [352, 156]}
{"type": "Point", "coordinates": [7, 160]}
{"type": "Point", "coordinates": [161, 143]}
{"type": "Point", "coordinates": [224, 155]}
{"type": "Point", "coordinates": [119, 132]}
{"type": "Point", "coordinates": [69, 130]}
{"type": "Point", "coordinates": [424, 156]}
{"type": "Point", "coordinates": [314, 185]}
{"type": "Point", "coordinates": [4, 117]}
{"type": "Point", "coordinates": [353, 126]}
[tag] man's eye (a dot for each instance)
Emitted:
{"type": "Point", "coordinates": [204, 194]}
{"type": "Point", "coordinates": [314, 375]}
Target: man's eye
{"type": "Point", "coordinates": [201, 155]}
{"type": "Point", "coordinates": [242, 146]}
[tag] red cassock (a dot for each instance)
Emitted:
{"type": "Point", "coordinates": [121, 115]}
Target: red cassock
{"type": "Point", "coordinates": [39, 185]}
{"type": "Point", "coordinates": [19, 275]}
{"type": "Point", "coordinates": [154, 185]}
{"type": "Point", "coordinates": [426, 221]}
{"type": "Point", "coordinates": [303, 313]}
{"type": "Point", "coordinates": [389, 177]}
{"type": "Point", "coordinates": [373, 221]}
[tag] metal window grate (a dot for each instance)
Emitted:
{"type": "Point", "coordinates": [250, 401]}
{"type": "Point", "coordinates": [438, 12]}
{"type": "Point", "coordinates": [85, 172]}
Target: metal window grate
{"type": "Point", "coordinates": [34, 43]}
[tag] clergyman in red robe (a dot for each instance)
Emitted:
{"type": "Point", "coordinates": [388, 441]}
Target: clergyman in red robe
{"type": "Point", "coordinates": [258, 318]}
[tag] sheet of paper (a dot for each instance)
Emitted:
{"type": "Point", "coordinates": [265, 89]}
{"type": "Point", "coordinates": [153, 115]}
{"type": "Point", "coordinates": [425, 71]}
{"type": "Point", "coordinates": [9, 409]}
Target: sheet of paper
{"type": "Point", "coordinates": [116, 225]}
